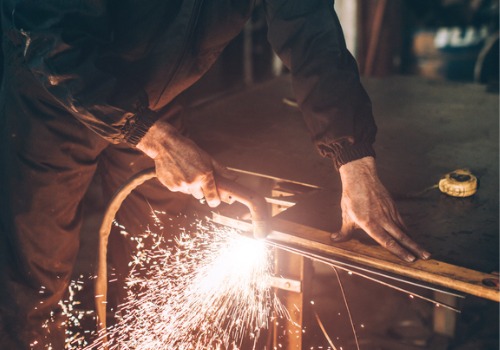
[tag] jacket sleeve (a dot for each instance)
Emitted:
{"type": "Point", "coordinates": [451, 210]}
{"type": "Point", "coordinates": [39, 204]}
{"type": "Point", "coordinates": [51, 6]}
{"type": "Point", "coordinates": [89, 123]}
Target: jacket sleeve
{"type": "Point", "coordinates": [307, 36]}
{"type": "Point", "coordinates": [69, 47]}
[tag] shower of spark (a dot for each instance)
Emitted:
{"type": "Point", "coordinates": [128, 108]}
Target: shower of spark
{"type": "Point", "coordinates": [208, 289]}
{"type": "Point", "coordinates": [75, 317]}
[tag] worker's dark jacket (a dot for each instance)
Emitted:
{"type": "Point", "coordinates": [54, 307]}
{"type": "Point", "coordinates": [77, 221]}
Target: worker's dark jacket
{"type": "Point", "coordinates": [116, 64]}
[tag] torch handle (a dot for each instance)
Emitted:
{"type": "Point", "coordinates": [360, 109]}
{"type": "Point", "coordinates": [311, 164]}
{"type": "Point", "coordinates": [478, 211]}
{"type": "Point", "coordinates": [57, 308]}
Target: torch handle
{"type": "Point", "coordinates": [230, 191]}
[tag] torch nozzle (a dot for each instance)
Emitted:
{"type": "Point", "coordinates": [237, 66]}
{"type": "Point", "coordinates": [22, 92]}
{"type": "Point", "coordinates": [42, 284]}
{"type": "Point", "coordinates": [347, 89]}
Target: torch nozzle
{"type": "Point", "coordinates": [230, 192]}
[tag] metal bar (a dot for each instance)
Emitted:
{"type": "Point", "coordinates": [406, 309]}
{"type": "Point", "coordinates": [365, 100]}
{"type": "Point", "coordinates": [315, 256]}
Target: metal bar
{"type": "Point", "coordinates": [338, 264]}
{"type": "Point", "coordinates": [445, 320]}
{"type": "Point", "coordinates": [288, 332]}
{"type": "Point", "coordinates": [287, 284]}
{"type": "Point", "coordinates": [430, 271]}
{"type": "Point", "coordinates": [274, 178]}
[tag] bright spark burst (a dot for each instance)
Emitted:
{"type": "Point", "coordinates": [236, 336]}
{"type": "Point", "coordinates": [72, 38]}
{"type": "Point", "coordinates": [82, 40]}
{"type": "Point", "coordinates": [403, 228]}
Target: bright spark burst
{"type": "Point", "coordinates": [211, 289]}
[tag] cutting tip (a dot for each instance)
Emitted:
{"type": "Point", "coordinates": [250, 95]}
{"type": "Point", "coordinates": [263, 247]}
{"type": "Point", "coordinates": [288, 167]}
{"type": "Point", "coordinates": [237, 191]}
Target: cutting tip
{"type": "Point", "coordinates": [260, 229]}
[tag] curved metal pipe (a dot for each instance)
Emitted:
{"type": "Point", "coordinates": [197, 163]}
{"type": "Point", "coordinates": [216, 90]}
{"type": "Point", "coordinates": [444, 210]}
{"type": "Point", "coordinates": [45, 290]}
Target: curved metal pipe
{"type": "Point", "coordinates": [101, 282]}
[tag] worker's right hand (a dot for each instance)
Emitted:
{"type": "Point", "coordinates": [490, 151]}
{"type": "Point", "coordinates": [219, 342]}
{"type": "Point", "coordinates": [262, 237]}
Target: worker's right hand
{"type": "Point", "coordinates": [366, 204]}
{"type": "Point", "coordinates": [180, 164]}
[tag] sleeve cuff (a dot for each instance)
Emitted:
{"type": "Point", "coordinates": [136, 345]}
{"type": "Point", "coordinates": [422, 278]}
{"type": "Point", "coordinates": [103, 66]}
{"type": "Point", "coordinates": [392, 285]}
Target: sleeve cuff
{"type": "Point", "coordinates": [344, 153]}
{"type": "Point", "coordinates": [137, 126]}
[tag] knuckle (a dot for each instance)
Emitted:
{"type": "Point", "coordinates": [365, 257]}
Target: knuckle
{"type": "Point", "coordinates": [405, 239]}
{"type": "Point", "coordinates": [205, 178]}
{"type": "Point", "coordinates": [181, 187]}
{"type": "Point", "coordinates": [168, 184]}
{"type": "Point", "coordinates": [390, 243]}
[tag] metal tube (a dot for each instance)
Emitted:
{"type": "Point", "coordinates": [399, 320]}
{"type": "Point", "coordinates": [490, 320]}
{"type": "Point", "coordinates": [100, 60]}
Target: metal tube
{"type": "Point", "coordinates": [101, 282]}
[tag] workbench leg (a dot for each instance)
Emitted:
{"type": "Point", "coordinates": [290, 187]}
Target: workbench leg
{"type": "Point", "coordinates": [291, 333]}
{"type": "Point", "coordinates": [288, 334]}
{"type": "Point", "coordinates": [445, 319]}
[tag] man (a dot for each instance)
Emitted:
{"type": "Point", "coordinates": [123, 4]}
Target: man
{"type": "Point", "coordinates": [93, 83]}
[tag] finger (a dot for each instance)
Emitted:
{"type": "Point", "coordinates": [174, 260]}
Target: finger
{"type": "Point", "coordinates": [398, 219]}
{"type": "Point", "coordinates": [407, 242]}
{"type": "Point", "coordinates": [347, 229]}
{"type": "Point", "coordinates": [388, 242]}
{"type": "Point", "coordinates": [167, 179]}
{"type": "Point", "coordinates": [197, 192]}
{"type": "Point", "coordinates": [210, 191]}
{"type": "Point", "coordinates": [168, 184]}
{"type": "Point", "coordinates": [224, 171]}
{"type": "Point", "coordinates": [345, 232]}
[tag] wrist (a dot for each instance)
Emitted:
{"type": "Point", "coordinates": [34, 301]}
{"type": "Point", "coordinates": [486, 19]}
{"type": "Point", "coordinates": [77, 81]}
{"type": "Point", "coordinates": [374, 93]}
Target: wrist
{"type": "Point", "coordinates": [360, 168]}
{"type": "Point", "coordinates": [138, 125]}
{"type": "Point", "coordinates": [344, 151]}
{"type": "Point", "coordinates": [154, 140]}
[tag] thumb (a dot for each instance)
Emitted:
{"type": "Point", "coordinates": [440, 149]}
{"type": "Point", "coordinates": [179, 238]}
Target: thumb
{"type": "Point", "coordinates": [348, 227]}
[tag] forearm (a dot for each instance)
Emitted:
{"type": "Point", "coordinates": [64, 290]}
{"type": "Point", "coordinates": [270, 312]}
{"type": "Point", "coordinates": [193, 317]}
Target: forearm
{"type": "Point", "coordinates": [308, 38]}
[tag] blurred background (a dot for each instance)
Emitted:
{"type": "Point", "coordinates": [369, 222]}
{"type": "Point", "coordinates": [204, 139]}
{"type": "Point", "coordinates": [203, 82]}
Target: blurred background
{"type": "Point", "coordinates": [454, 40]}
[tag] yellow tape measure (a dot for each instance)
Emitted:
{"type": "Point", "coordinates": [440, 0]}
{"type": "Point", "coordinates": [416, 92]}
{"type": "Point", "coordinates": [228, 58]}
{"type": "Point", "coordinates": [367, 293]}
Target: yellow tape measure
{"type": "Point", "coordinates": [458, 183]}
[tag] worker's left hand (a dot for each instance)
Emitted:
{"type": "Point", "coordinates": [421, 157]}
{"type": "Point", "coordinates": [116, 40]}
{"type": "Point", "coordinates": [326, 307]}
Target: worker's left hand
{"type": "Point", "coordinates": [366, 204]}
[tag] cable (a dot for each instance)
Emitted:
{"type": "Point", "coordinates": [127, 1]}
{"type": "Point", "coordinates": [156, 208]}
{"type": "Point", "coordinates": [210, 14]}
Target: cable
{"type": "Point", "coordinates": [323, 329]}
{"type": "Point", "coordinates": [347, 308]}
{"type": "Point", "coordinates": [101, 285]}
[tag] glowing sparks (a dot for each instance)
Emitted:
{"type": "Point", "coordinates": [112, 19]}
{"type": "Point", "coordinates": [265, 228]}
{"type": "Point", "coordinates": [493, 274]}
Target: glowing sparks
{"type": "Point", "coordinates": [208, 290]}
{"type": "Point", "coordinates": [75, 317]}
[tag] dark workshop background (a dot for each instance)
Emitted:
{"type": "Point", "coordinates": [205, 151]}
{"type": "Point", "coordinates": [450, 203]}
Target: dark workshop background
{"type": "Point", "coordinates": [455, 40]}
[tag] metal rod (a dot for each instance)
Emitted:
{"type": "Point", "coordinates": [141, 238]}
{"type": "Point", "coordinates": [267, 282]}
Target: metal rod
{"type": "Point", "coordinates": [307, 239]}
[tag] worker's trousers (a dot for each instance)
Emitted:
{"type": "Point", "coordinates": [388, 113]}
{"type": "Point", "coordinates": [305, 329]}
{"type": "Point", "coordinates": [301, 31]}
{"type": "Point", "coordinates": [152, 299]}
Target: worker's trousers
{"type": "Point", "coordinates": [48, 160]}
